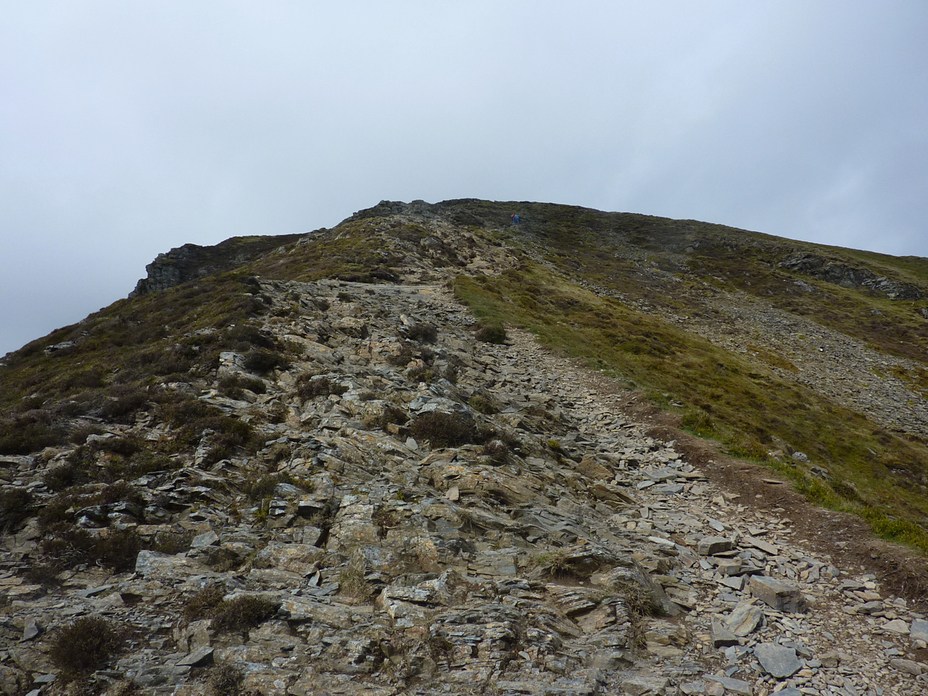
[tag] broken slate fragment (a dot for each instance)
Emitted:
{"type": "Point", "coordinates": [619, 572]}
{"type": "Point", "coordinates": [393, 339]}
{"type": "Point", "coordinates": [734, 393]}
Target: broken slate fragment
{"type": "Point", "coordinates": [896, 626]}
{"type": "Point", "coordinates": [738, 686]}
{"type": "Point", "coordinates": [198, 658]}
{"type": "Point", "coordinates": [764, 546]}
{"type": "Point", "coordinates": [31, 629]}
{"type": "Point", "coordinates": [777, 660]}
{"type": "Point", "coordinates": [711, 545]}
{"type": "Point", "coordinates": [721, 636]}
{"type": "Point", "coordinates": [777, 594]}
{"type": "Point", "coordinates": [909, 666]}
{"type": "Point", "coordinates": [203, 540]}
{"type": "Point", "coordinates": [919, 630]}
{"type": "Point", "coordinates": [745, 618]}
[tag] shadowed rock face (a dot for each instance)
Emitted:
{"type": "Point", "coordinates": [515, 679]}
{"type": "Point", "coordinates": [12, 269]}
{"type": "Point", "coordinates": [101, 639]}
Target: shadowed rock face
{"type": "Point", "coordinates": [192, 261]}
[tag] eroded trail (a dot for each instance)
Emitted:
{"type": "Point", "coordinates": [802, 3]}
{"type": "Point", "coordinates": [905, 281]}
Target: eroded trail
{"type": "Point", "coordinates": [850, 638]}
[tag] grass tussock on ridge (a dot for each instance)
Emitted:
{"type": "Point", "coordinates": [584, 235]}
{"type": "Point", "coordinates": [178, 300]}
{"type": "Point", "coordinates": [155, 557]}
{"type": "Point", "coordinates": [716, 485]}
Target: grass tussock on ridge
{"type": "Point", "coordinates": [876, 474]}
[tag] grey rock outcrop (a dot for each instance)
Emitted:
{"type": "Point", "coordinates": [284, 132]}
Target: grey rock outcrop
{"type": "Point", "coordinates": [850, 277]}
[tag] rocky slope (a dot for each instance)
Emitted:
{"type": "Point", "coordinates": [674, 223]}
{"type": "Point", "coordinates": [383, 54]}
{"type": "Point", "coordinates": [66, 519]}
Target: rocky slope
{"type": "Point", "coordinates": [364, 497]}
{"type": "Point", "coordinates": [551, 548]}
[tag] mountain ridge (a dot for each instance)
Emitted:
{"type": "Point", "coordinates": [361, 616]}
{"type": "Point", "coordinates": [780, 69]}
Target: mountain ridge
{"type": "Point", "coordinates": [350, 438]}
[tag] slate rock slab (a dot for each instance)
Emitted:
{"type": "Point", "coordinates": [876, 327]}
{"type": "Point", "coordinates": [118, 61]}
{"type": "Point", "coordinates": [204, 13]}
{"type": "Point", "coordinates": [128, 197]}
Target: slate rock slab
{"type": "Point", "coordinates": [919, 630]}
{"type": "Point", "coordinates": [721, 636]}
{"type": "Point", "coordinates": [777, 660]}
{"type": "Point", "coordinates": [738, 686]}
{"type": "Point", "coordinates": [711, 545]}
{"type": "Point", "coordinates": [744, 619]}
{"type": "Point", "coordinates": [777, 594]}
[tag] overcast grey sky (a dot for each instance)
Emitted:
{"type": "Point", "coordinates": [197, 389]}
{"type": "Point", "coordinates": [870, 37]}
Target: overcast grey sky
{"type": "Point", "coordinates": [129, 127]}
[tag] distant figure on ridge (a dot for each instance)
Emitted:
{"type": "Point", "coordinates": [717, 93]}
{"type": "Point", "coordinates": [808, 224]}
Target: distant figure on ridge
{"type": "Point", "coordinates": [515, 219]}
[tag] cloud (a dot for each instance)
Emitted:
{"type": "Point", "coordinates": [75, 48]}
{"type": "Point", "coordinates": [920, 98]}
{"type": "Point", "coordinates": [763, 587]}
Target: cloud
{"type": "Point", "coordinates": [130, 128]}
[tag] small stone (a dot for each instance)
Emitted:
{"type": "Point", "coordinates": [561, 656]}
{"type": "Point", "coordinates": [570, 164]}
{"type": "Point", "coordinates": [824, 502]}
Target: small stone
{"type": "Point", "coordinates": [203, 540]}
{"type": "Point", "coordinates": [30, 630]}
{"type": "Point", "coordinates": [830, 659]}
{"type": "Point", "coordinates": [869, 607]}
{"type": "Point", "coordinates": [744, 619]}
{"type": "Point", "coordinates": [638, 685]}
{"type": "Point", "coordinates": [735, 583]}
{"type": "Point", "coordinates": [908, 666]}
{"type": "Point", "coordinates": [721, 636]}
{"type": "Point", "coordinates": [198, 658]}
{"type": "Point", "coordinates": [896, 626]}
{"type": "Point", "coordinates": [919, 630]}
{"type": "Point", "coordinates": [777, 660]}
{"type": "Point", "coordinates": [730, 566]}
{"type": "Point", "coordinates": [764, 546]}
{"type": "Point", "coordinates": [711, 545]}
{"type": "Point", "coordinates": [738, 686]}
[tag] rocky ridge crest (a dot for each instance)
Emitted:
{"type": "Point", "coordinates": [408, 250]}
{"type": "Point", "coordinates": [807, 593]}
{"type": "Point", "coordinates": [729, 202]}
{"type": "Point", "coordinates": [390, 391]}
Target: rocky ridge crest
{"type": "Point", "coordinates": [426, 512]}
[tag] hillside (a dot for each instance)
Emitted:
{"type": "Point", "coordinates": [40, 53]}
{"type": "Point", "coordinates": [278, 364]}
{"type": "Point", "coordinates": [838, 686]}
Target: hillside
{"type": "Point", "coordinates": [428, 451]}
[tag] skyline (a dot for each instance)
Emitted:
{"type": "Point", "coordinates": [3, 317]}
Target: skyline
{"type": "Point", "coordinates": [128, 130]}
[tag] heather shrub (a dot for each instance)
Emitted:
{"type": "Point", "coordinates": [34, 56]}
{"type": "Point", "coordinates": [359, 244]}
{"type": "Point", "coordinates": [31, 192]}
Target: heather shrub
{"type": "Point", "coordinates": [44, 573]}
{"type": "Point", "coordinates": [443, 429]}
{"type": "Point", "coordinates": [497, 451]}
{"type": "Point", "coordinates": [192, 417]}
{"type": "Point", "coordinates": [31, 431]}
{"type": "Point", "coordinates": [422, 332]}
{"type": "Point", "coordinates": [421, 373]}
{"type": "Point", "coordinates": [172, 542]}
{"type": "Point", "coordinates": [226, 680]}
{"type": "Point", "coordinates": [243, 338]}
{"type": "Point", "coordinates": [85, 645]}
{"type": "Point", "coordinates": [243, 613]}
{"type": "Point", "coordinates": [491, 333]}
{"type": "Point", "coordinates": [264, 361]}
{"type": "Point", "coordinates": [260, 487]}
{"type": "Point", "coordinates": [234, 386]}
{"type": "Point", "coordinates": [311, 387]}
{"type": "Point", "coordinates": [401, 358]}
{"type": "Point", "coordinates": [233, 615]}
{"type": "Point", "coordinates": [483, 403]}
{"type": "Point", "coordinates": [15, 506]}
{"type": "Point", "coordinates": [116, 549]}
{"type": "Point", "coordinates": [203, 604]}
{"type": "Point", "coordinates": [120, 403]}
